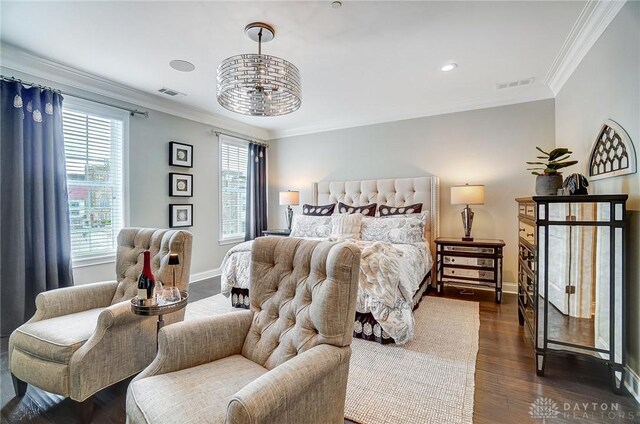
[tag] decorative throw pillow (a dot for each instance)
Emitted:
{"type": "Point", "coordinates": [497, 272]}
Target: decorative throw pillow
{"type": "Point", "coordinates": [399, 230]}
{"type": "Point", "coordinates": [311, 226]}
{"type": "Point", "coordinates": [323, 210]}
{"type": "Point", "coordinates": [399, 210]}
{"type": "Point", "coordinates": [346, 226]}
{"type": "Point", "coordinates": [366, 210]}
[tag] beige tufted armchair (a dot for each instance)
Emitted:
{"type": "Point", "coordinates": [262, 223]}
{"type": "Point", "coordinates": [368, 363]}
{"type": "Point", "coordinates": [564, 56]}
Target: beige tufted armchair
{"type": "Point", "coordinates": [284, 361]}
{"type": "Point", "coordinates": [85, 338]}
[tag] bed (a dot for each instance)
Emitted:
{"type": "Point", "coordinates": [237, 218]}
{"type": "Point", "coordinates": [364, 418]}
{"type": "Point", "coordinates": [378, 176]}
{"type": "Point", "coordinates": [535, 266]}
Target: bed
{"type": "Point", "coordinates": [394, 276]}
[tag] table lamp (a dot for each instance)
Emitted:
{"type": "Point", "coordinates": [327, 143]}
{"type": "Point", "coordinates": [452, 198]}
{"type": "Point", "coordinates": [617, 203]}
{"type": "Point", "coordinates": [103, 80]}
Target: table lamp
{"type": "Point", "coordinates": [289, 198]}
{"type": "Point", "coordinates": [467, 195]}
{"type": "Point", "coordinates": [172, 294]}
{"type": "Point", "coordinates": [174, 260]}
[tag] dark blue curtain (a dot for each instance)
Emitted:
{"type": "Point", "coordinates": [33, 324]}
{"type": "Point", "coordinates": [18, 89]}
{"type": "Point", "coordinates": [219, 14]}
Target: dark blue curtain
{"type": "Point", "coordinates": [35, 242]}
{"type": "Point", "coordinates": [256, 215]}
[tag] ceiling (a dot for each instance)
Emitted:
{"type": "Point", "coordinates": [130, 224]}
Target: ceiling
{"type": "Point", "coordinates": [363, 63]}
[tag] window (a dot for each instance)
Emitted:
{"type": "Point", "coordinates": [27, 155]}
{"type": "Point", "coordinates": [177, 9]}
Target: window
{"type": "Point", "coordinates": [94, 144]}
{"type": "Point", "coordinates": [233, 188]}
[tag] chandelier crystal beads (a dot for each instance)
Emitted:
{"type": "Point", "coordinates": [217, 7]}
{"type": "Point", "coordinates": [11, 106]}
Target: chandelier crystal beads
{"type": "Point", "coordinates": [258, 84]}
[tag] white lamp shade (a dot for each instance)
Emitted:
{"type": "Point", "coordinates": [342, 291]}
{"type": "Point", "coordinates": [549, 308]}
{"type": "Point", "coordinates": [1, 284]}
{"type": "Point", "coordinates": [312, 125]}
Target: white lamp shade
{"type": "Point", "coordinates": [467, 195]}
{"type": "Point", "coordinates": [290, 198]}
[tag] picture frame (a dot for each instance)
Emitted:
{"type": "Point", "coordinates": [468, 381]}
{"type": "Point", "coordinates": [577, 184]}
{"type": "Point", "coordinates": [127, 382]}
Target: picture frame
{"type": "Point", "coordinates": [180, 154]}
{"type": "Point", "coordinates": [180, 215]}
{"type": "Point", "coordinates": [180, 185]}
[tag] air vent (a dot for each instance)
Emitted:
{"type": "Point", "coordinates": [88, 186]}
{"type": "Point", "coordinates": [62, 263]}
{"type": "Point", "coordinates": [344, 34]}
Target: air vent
{"type": "Point", "coordinates": [171, 92]}
{"type": "Point", "coordinates": [513, 84]}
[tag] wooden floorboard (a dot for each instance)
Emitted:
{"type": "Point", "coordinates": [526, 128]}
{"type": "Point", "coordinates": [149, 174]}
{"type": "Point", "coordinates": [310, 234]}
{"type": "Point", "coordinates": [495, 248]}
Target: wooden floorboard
{"type": "Point", "coordinates": [505, 380]}
{"type": "Point", "coordinates": [506, 383]}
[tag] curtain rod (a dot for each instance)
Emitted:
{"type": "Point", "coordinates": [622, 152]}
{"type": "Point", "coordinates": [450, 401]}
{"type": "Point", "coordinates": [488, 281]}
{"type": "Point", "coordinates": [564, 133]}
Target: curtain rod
{"type": "Point", "coordinates": [55, 90]}
{"type": "Point", "coordinates": [219, 133]}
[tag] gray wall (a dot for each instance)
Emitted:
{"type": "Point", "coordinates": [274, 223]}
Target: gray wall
{"type": "Point", "coordinates": [149, 181]}
{"type": "Point", "coordinates": [487, 146]}
{"type": "Point", "coordinates": [607, 85]}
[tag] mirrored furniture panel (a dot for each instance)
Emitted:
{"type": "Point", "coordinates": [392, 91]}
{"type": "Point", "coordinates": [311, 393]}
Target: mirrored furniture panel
{"type": "Point", "coordinates": [571, 277]}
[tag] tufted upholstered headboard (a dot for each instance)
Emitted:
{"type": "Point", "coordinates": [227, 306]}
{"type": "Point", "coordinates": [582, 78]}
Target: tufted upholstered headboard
{"type": "Point", "coordinates": [391, 192]}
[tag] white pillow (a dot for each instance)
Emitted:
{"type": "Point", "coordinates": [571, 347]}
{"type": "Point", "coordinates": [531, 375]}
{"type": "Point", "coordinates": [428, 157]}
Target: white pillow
{"type": "Point", "coordinates": [346, 226]}
{"type": "Point", "coordinates": [398, 229]}
{"type": "Point", "coordinates": [423, 216]}
{"type": "Point", "coordinates": [311, 226]}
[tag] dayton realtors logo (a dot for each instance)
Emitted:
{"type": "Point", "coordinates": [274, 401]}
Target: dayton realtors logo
{"type": "Point", "coordinates": [544, 409]}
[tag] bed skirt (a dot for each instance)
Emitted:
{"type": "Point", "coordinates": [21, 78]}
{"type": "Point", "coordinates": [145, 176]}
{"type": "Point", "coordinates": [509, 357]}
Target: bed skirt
{"type": "Point", "coordinates": [240, 298]}
{"type": "Point", "coordinates": [367, 328]}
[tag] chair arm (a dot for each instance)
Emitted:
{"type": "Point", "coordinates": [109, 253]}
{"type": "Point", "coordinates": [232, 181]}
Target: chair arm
{"type": "Point", "coordinates": [308, 388]}
{"type": "Point", "coordinates": [69, 300]}
{"type": "Point", "coordinates": [199, 341]}
{"type": "Point", "coordinates": [122, 344]}
{"type": "Point", "coordinates": [118, 314]}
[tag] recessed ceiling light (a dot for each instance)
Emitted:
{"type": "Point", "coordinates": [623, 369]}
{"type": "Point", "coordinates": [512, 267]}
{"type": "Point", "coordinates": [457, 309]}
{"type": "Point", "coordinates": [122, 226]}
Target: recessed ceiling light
{"type": "Point", "coordinates": [449, 67]}
{"type": "Point", "coordinates": [182, 65]}
{"type": "Point", "coordinates": [336, 4]}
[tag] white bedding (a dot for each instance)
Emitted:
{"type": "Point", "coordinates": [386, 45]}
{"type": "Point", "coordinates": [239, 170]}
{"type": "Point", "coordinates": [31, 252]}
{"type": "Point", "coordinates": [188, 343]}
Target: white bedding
{"type": "Point", "coordinates": [390, 274]}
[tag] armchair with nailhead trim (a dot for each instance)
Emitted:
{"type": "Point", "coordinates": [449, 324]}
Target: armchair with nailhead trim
{"type": "Point", "coordinates": [285, 360]}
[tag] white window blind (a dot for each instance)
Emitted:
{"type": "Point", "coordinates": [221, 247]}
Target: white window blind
{"type": "Point", "coordinates": [233, 188]}
{"type": "Point", "coordinates": [94, 145]}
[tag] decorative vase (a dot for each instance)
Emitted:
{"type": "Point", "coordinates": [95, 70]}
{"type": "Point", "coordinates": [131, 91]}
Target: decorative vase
{"type": "Point", "coordinates": [548, 185]}
{"type": "Point", "coordinates": [576, 184]}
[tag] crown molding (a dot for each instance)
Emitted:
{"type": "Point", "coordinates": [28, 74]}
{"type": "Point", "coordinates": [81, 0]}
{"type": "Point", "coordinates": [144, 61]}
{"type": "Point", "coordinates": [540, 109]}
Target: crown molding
{"type": "Point", "coordinates": [593, 20]}
{"type": "Point", "coordinates": [15, 59]}
{"type": "Point", "coordinates": [532, 94]}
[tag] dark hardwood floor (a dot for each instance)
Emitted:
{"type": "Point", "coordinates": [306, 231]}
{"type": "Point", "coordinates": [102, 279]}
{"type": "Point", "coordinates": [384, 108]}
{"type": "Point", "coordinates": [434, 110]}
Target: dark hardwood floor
{"type": "Point", "coordinates": [505, 381]}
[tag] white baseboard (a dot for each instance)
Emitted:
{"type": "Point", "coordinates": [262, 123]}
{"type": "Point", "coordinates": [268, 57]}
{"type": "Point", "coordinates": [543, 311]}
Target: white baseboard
{"type": "Point", "coordinates": [199, 276]}
{"type": "Point", "coordinates": [632, 383]}
{"type": "Point", "coordinates": [508, 287]}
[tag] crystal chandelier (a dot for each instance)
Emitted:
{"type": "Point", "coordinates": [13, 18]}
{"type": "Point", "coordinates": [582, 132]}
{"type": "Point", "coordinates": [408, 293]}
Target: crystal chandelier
{"type": "Point", "coordinates": [259, 84]}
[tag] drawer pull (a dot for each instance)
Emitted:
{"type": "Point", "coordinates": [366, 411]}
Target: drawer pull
{"type": "Point", "coordinates": [522, 229]}
{"type": "Point", "coordinates": [529, 234]}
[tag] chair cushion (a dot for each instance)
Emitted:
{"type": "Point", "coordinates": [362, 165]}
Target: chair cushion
{"type": "Point", "coordinates": [194, 395]}
{"type": "Point", "coordinates": [56, 339]}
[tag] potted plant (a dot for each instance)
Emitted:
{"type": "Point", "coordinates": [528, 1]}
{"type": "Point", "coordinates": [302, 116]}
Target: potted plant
{"type": "Point", "coordinates": [548, 179]}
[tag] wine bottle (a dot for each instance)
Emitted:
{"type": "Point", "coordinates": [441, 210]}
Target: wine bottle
{"type": "Point", "coordinates": [146, 282]}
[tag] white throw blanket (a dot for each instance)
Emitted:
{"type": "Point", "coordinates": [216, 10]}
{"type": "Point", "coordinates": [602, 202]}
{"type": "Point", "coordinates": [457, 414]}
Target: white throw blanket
{"type": "Point", "coordinates": [381, 288]}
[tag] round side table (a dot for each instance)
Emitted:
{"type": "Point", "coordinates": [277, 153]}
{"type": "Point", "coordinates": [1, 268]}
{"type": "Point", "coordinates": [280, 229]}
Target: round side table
{"type": "Point", "coordinates": [159, 310]}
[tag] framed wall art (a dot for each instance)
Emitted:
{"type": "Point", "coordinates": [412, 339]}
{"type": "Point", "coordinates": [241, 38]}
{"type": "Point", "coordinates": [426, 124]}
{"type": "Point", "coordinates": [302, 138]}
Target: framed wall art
{"type": "Point", "coordinates": [180, 154]}
{"type": "Point", "coordinates": [180, 215]}
{"type": "Point", "coordinates": [180, 185]}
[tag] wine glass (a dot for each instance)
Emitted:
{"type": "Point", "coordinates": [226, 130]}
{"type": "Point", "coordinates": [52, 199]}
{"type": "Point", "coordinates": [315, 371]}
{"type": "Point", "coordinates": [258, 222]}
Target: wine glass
{"type": "Point", "coordinates": [158, 291]}
{"type": "Point", "coordinates": [171, 294]}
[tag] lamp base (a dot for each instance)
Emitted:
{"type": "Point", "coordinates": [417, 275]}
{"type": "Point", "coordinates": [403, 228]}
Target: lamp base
{"type": "Point", "coordinates": [289, 215]}
{"type": "Point", "coordinates": [467, 222]}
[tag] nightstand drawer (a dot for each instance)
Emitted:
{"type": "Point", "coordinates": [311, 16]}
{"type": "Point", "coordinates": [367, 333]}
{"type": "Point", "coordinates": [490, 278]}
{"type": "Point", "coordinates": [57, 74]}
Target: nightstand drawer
{"type": "Point", "coordinates": [469, 249]}
{"type": "Point", "coordinates": [468, 273]}
{"type": "Point", "coordinates": [459, 260]}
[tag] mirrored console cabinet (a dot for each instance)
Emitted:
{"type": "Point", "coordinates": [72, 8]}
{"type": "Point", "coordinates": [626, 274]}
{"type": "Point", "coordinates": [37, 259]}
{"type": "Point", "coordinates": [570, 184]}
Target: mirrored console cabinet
{"type": "Point", "coordinates": [571, 273]}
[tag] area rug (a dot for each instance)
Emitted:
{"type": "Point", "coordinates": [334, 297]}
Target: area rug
{"type": "Point", "coordinates": [428, 380]}
{"type": "Point", "coordinates": [209, 306]}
